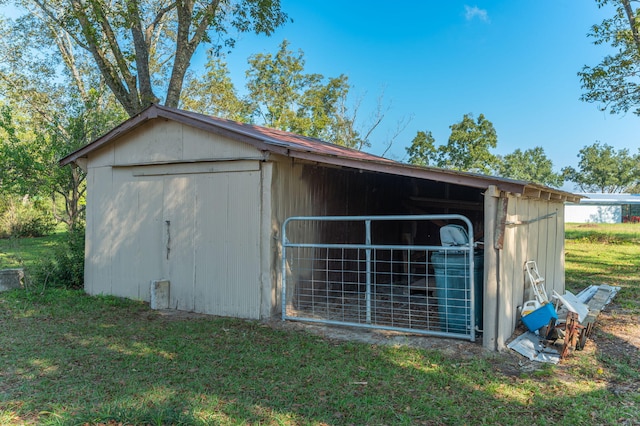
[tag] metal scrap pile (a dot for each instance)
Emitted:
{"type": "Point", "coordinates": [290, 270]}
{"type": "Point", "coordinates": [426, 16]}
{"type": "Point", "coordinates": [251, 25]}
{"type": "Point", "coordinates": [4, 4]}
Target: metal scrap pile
{"type": "Point", "coordinates": [568, 317]}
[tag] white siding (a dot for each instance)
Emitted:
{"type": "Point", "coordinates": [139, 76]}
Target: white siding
{"type": "Point", "coordinates": [593, 214]}
{"type": "Point", "coordinates": [194, 223]}
{"type": "Point", "coordinates": [162, 141]}
{"type": "Point", "coordinates": [227, 244]}
{"type": "Point", "coordinates": [100, 223]}
{"type": "Point", "coordinates": [178, 236]}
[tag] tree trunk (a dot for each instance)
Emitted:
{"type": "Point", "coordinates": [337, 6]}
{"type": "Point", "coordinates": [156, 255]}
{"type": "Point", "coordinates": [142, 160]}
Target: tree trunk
{"type": "Point", "coordinates": [632, 23]}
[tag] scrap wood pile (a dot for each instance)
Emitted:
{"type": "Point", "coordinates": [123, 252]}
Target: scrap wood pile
{"type": "Point", "coordinates": [568, 317]}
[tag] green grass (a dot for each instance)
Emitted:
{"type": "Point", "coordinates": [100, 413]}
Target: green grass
{"type": "Point", "coordinates": [26, 252]}
{"type": "Point", "coordinates": [70, 359]}
{"type": "Point", "coordinates": [605, 254]}
{"type": "Point", "coordinates": [67, 358]}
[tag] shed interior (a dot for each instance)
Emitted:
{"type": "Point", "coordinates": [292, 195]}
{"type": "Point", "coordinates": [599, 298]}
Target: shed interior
{"type": "Point", "coordinates": [330, 282]}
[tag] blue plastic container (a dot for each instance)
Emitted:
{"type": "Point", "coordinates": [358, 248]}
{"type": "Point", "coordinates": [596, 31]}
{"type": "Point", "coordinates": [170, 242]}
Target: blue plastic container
{"type": "Point", "coordinates": [540, 317]}
{"type": "Point", "coordinates": [452, 276]}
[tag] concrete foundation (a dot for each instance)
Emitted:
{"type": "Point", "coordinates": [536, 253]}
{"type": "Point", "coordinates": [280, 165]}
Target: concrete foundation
{"type": "Point", "coordinates": [159, 294]}
{"type": "Point", "coordinates": [11, 279]}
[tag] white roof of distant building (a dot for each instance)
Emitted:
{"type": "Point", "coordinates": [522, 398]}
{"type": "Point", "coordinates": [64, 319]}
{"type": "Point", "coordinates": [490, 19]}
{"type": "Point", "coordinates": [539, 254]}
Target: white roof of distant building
{"type": "Point", "coordinates": [608, 199]}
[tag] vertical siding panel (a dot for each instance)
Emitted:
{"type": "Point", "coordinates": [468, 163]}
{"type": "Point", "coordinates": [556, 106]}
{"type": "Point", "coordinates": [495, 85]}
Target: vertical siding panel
{"type": "Point", "coordinates": [545, 250]}
{"type": "Point", "coordinates": [547, 247]}
{"type": "Point", "coordinates": [211, 242]}
{"type": "Point", "coordinates": [227, 263]}
{"type": "Point", "coordinates": [149, 245]}
{"type": "Point", "coordinates": [101, 228]}
{"type": "Point", "coordinates": [91, 236]}
{"type": "Point", "coordinates": [493, 273]}
{"type": "Point", "coordinates": [524, 252]}
{"type": "Point", "coordinates": [510, 278]}
{"type": "Point", "coordinates": [559, 277]}
{"type": "Point", "coordinates": [243, 264]}
{"type": "Point", "coordinates": [533, 233]}
{"type": "Point", "coordinates": [179, 210]}
{"type": "Point", "coordinates": [270, 289]}
{"type": "Point", "coordinates": [556, 247]}
{"type": "Point", "coordinates": [125, 233]}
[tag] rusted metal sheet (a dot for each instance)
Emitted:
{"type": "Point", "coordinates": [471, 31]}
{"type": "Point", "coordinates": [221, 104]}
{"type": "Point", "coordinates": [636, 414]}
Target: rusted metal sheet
{"type": "Point", "coordinates": [501, 220]}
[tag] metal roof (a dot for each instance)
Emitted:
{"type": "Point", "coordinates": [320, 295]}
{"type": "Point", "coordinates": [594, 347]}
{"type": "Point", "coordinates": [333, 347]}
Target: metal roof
{"type": "Point", "coordinates": [315, 150]}
{"type": "Point", "coordinates": [608, 199]}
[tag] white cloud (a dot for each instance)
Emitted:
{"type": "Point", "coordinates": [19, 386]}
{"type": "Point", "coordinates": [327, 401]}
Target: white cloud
{"type": "Point", "coordinates": [476, 12]}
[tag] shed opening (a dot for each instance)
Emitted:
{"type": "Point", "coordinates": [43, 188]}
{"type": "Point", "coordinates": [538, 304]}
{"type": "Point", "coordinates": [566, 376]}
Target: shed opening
{"type": "Point", "coordinates": [365, 271]}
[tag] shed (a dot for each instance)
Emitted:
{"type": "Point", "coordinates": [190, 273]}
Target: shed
{"type": "Point", "coordinates": [604, 208]}
{"type": "Point", "coordinates": [199, 203]}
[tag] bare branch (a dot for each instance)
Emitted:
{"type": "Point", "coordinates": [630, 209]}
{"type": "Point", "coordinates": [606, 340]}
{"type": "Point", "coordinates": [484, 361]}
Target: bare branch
{"type": "Point", "coordinates": [401, 126]}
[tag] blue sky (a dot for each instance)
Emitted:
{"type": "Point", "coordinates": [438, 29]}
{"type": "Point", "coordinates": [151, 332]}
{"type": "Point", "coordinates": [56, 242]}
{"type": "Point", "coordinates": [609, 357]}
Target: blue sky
{"type": "Point", "coordinates": [516, 62]}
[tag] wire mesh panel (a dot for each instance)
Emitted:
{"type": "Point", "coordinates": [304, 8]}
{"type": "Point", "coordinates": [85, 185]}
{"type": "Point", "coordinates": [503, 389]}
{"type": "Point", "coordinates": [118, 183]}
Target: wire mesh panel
{"type": "Point", "coordinates": [418, 288]}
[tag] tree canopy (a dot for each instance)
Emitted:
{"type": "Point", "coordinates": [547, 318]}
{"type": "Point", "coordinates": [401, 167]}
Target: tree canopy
{"type": "Point", "coordinates": [53, 102]}
{"type": "Point", "coordinates": [284, 97]}
{"type": "Point", "coordinates": [214, 93]}
{"type": "Point", "coordinates": [143, 48]}
{"type": "Point", "coordinates": [615, 82]}
{"type": "Point", "coordinates": [468, 150]}
{"type": "Point", "coordinates": [468, 146]}
{"type": "Point", "coordinates": [422, 151]}
{"type": "Point", "coordinates": [279, 94]}
{"type": "Point", "coordinates": [530, 165]}
{"type": "Point", "coordinates": [603, 169]}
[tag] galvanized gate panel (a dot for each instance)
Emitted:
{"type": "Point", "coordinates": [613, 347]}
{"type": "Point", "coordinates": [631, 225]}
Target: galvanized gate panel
{"type": "Point", "coordinates": [351, 270]}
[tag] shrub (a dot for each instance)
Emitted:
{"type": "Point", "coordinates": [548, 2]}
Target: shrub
{"type": "Point", "coordinates": [65, 268]}
{"type": "Point", "coordinates": [25, 219]}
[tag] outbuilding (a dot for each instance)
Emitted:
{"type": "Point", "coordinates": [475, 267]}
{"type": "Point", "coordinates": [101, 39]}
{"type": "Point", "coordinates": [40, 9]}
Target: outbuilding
{"type": "Point", "coordinates": [225, 218]}
{"type": "Point", "coordinates": [604, 208]}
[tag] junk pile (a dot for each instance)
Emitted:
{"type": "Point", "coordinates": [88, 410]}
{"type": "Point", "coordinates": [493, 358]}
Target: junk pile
{"type": "Point", "coordinates": [568, 317]}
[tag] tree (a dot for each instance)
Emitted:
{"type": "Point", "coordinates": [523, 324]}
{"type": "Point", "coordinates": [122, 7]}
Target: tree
{"type": "Point", "coordinates": [422, 151]}
{"type": "Point", "coordinates": [141, 47]}
{"type": "Point", "coordinates": [279, 95]}
{"type": "Point", "coordinates": [53, 104]}
{"type": "Point", "coordinates": [531, 165]}
{"type": "Point", "coordinates": [603, 169]}
{"type": "Point", "coordinates": [214, 93]}
{"type": "Point", "coordinates": [615, 82]}
{"type": "Point", "coordinates": [29, 154]}
{"type": "Point", "coordinates": [468, 146]}
{"type": "Point", "coordinates": [284, 97]}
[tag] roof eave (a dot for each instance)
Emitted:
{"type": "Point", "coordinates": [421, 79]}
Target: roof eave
{"type": "Point", "coordinates": [270, 145]}
{"type": "Point", "coordinates": [157, 111]}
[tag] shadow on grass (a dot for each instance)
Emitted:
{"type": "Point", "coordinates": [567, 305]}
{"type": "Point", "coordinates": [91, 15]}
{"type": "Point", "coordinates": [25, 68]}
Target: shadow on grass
{"type": "Point", "coordinates": [75, 359]}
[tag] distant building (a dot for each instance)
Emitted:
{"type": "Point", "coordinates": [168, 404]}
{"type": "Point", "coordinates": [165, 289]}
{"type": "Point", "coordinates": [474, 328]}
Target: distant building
{"type": "Point", "coordinates": [604, 208]}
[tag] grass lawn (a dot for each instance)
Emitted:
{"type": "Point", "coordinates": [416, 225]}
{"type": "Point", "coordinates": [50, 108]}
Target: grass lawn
{"type": "Point", "coordinates": [26, 252]}
{"type": "Point", "coordinates": [67, 359]}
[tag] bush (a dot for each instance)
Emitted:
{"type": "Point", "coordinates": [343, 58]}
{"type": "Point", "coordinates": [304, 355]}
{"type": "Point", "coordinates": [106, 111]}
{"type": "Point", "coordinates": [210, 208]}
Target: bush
{"type": "Point", "coordinates": [25, 219]}
{"type": "Point", "coordinates": [65, 268]}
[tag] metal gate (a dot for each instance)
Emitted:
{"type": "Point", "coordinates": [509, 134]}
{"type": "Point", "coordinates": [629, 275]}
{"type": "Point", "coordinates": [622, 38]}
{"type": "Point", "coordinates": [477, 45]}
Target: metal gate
{"type": "Point", "coordinates": [367, 271]}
